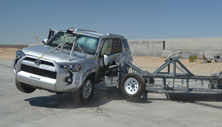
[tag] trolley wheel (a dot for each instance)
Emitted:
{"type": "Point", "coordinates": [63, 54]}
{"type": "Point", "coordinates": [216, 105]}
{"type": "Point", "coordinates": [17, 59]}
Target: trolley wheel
{"type": "Point", "coordinates": [132, 86]}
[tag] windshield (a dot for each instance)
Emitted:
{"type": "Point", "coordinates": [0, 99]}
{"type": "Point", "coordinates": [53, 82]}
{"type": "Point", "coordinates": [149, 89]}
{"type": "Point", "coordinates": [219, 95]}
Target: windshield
{"type": "Point", "coordinates": [85, 43]}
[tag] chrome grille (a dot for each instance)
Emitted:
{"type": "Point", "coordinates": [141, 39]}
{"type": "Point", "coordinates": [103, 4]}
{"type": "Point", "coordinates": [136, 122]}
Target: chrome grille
{"type": "Point", "coordinates": [42, 61]}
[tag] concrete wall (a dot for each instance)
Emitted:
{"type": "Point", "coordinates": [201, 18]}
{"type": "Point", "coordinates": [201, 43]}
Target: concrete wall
{"type": "Point", "coordinates": [190, 46]}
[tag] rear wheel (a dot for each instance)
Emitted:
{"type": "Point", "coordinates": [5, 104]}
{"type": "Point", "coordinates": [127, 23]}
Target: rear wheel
{"type": "Point", "coordinates": [133, 86]}
{"type": "Point", "coordinates": [84, 94]}
{"type": "Point", "coordinates": [24, 87]}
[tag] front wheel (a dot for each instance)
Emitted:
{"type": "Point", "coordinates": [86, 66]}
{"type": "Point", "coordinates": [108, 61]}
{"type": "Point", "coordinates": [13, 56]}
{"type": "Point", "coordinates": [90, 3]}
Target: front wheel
{"type": "Point", "coordinates": [84, 94]}
{"type": "Point", "coordinates": [24, 87]}
{"type": "Point", "coordinates": [132, 86]}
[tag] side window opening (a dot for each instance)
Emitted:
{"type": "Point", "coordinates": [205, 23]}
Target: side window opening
{"type": "Point", "coordinates": [117, 46]}
{"type": "Point", "coordinates": [111, 46]}
{"type": "Point", "coordinates": [107, 47]}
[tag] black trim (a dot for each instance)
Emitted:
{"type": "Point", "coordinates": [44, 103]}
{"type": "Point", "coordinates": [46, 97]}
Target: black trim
{"type": "Point", "coordinates": [38, 71]}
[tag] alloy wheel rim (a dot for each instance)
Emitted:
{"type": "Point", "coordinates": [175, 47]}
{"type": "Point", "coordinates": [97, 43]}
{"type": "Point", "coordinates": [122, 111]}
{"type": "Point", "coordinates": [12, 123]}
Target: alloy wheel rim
{"type": "Point", "coordinates": [87, 89]}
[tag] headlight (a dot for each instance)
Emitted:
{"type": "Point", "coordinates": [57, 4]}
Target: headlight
{"type": "Point", "coordinates": [75, 67]}
{"type": "Point", "coordinates": [19, 54]}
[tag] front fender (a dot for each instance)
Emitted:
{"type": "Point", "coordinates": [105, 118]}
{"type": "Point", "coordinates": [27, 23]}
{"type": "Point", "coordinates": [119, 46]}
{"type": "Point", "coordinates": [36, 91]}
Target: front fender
{"type": "Point", "coordinates": [88, 72]}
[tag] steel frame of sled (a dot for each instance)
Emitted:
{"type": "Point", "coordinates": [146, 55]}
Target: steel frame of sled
{"type": "Point", "coordinates": [184, 75]}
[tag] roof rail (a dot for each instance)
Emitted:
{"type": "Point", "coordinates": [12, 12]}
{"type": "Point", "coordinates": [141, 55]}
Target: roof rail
{"type": "Point", "coordinates": [85, 30]}
{"type": "Point", "coordinates": [110, 34]}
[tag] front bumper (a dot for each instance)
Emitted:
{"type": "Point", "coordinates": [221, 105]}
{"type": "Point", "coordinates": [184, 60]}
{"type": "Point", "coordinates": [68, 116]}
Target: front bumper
{"type": "Point", "coordinates": [36, 76]}
{"type": "Point", "coordinates": [36, 80]}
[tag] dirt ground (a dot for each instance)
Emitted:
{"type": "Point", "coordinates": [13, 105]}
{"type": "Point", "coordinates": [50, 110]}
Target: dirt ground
{"type": "Point", "coordinates": [198, 67]}
{"type": "Point", "coordinates": [7, 53]}
{"type": "Point", "coordinates": [146, 63]}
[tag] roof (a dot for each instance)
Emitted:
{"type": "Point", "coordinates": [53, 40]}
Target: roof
{"type": "Point", "coordinates": [94, 33]}
{"type": "Point", "coordinates": [89, 33]}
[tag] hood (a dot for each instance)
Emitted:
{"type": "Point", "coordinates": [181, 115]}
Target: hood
{"type": "Point", "coordinates": [43, 51]}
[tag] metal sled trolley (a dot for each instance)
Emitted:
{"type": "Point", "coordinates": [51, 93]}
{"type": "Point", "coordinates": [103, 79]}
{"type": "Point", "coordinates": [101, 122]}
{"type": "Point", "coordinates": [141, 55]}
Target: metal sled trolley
{"type": "Point", "coordinates": [172, 78]}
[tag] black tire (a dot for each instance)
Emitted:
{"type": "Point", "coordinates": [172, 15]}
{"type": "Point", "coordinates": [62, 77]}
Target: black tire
{"type": "Point", "coordinates": [58, 93]}
{"type": "Point", "coordinates": [24, 87]}
{"type": "Point", "coordinates": [168, 97]}
{"type": "Point", "coordinates": [129, 90]}
{"type": "Point", "coordinates": [78, 95]}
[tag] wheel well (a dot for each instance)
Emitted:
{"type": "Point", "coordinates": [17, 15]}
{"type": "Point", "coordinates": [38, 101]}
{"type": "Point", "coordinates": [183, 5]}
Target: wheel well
{"type": "Point", "coordinates": [93, 77]}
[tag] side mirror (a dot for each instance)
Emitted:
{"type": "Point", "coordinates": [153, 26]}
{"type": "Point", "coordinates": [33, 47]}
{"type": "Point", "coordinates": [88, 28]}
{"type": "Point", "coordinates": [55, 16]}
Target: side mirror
{"type": "Point", "coordinates": [105, 60]}
{"type": "Point", "coordinates": [44, 41]}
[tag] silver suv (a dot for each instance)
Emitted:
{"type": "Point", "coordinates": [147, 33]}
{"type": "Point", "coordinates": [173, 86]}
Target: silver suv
{"type": "Point", "coordinates": [72, 61]}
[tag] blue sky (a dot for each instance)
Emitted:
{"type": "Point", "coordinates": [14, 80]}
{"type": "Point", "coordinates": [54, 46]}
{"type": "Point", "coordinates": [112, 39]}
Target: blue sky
{"type": "Point", "coordinates": [22, 20]}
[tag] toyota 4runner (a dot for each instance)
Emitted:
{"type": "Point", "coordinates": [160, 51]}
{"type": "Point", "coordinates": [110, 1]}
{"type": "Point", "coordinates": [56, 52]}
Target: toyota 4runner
{"type": "Point", "coordinates": [72, 61]}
